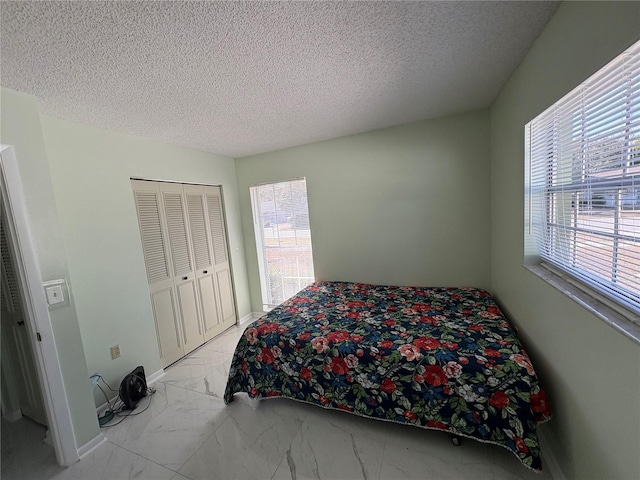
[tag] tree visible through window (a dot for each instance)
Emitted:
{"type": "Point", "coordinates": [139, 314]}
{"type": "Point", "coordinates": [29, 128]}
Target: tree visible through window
{"type": "Point", "coordinates": [283, 239]}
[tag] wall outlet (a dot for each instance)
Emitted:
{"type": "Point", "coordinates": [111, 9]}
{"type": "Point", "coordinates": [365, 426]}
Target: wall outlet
{"type": "Point", "coordinates": [115, 352]}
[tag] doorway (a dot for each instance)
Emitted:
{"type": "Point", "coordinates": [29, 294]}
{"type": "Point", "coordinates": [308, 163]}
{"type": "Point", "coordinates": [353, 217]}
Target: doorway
{"type": "Point", "coordinates": [38, 343]}
{"type": "Point", "coordinates": [21, 393]}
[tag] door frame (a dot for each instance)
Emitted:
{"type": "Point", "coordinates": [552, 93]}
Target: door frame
{"type": "Point", "coordinates": [37, 319]}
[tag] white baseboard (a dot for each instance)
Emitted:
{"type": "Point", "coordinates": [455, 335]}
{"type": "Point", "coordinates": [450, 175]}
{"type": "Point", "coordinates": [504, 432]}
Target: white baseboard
{"type": "Point", "coordinates": [250, 317]}
{"type": "Point", "coordinates": [155, 376]}
{"type": "Point", "coordinates": [103, 408]}
{"type": "Point", "coordinates": [91, 445]}
{"type": "Point", "coordinates": [549, 458]}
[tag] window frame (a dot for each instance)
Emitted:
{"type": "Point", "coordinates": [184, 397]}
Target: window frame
{"type": "Point", "coordinates": [257, 213]}
{"type": "Point", "coordinates": [594, 295]}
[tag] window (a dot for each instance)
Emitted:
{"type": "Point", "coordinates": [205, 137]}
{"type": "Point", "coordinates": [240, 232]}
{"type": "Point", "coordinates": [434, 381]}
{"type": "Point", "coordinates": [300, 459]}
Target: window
{"type": "Point", "coordinates": [283, 239]}
{"type": "Point", "coordinates": [584, 168]}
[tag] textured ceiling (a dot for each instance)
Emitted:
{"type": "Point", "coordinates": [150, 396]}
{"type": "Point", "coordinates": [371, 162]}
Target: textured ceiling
{"type": "Point", "coordinates": [238, 78]}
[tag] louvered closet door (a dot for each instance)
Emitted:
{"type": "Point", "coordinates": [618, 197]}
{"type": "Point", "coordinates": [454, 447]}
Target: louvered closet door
{"type": "Point", "coordinates": [203, 258]}
{"type": "Point", "coordinates": [184, 278]}
{"type": "Point", "coordinates": [185, 251]}
{"type": "Point", "coordinates": [156, 256]}
{"type": "Point", "coordinates": [222, 266]}
{"type": "Point", "coordinates": [17, 353]}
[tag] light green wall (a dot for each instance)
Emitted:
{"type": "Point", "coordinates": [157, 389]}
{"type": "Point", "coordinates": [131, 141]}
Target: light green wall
{"type": "Point", "coordinates": [592, 372]}
{"type": "Point", "coordinates": [450, 201]}
{"type": "Point", "coordinates": [91, 170]}
{"type": "Point", "coordinates": [20, 127]}
{"type": "Point", "coordinates": [407, 205]}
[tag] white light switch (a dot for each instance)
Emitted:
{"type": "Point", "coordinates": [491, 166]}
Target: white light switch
{"type": "Point", "coordinates": [54, 293]}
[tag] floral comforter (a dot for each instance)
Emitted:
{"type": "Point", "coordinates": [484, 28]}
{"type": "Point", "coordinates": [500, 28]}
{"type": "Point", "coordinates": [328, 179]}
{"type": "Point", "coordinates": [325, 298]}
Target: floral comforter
{"type": "Point", "coordinates": [437, 358]}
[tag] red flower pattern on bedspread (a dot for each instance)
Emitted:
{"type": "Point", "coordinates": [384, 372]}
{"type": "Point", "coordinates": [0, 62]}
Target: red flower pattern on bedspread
{"type": "Point", "coordinates": [437, 358]}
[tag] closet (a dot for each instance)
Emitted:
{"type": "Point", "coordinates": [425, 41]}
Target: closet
{"type": "Point", "coordinates": [21, 393]}
{"type": "Point", "coordinates": [184, 243]}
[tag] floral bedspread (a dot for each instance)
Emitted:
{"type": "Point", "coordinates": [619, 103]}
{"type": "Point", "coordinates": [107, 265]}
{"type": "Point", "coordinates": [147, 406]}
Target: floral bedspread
{"type": "Point", "coordinates": [437, 358]}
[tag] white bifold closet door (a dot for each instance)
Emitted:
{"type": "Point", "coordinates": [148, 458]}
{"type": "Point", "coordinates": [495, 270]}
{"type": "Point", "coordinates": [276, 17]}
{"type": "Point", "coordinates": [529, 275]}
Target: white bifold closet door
{"type": "Point", "coordinates": [203, 258]}
{"type": "Point", "coordinates": [191, 292]}
{"type": "Point", "coordinates": [222, 267]}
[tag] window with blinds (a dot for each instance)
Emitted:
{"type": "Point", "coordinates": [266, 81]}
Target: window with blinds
{"type": "Point", "coordinates": [584, 168]}
{"type": "Point", "coordinates": [283, 239]}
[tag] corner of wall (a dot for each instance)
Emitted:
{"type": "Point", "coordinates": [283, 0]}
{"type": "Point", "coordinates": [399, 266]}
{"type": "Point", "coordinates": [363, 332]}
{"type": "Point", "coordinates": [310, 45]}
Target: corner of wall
{"type": "Point", "coordinates": [21, 128]}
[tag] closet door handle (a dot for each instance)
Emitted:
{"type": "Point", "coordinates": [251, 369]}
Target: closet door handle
{"type": "Point", "coordinates": [185, 278]}
{"type": "Point", "coordinates": [204, 272]}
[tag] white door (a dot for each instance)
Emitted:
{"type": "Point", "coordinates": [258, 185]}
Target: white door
{"type": "Point", "coordinates": [156, 255]}
{"type": "Point", "coordinates": [222, 266]}
{"type": "Point", "coordinates": [185, 251]}
{"type": "Point", "coordinates": [203, 258]}
{"type": "Point", "coordinates": [18, 364]}
{"type": "Point", "coordinates": [184, 278]}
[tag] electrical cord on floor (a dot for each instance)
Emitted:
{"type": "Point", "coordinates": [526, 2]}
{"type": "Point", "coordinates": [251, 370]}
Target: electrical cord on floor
{"type": "Point", "coordinates": [109, 413]}
{"type": "Point", "coordinates": [118, 405]}
{"type": "Point", "coordinates": [121, 408]}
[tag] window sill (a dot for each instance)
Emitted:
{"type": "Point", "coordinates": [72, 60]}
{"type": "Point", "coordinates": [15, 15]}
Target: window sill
{"type": "Point", "coordinates": [607, 314]}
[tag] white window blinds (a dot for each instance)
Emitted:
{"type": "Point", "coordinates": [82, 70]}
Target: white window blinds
{"type": "Point", "coordinates": [584, 159]}
{"type": "Point", "coordinates": [283, 239]}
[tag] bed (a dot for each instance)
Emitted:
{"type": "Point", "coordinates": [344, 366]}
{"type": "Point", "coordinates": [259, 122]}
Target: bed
{"type": "Point", "coordinates": [436, 358]}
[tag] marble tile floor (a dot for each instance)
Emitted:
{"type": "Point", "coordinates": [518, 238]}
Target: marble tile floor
{"type": "Point", "coordinates": [187, 432]}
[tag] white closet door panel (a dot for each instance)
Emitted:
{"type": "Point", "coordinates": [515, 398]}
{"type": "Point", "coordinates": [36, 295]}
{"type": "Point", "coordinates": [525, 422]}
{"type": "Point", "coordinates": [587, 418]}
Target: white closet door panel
{"type": "Point", "coordinates": [187, 301]}
{"type": "Point", "coordinates": [224, 289]}
{"type": "Point", "coordinates": [185, 247]}
{"type": "Point", "coordinates": [216, 221]}
{"type": "Point", "coordinates": [203, 248]}
{"type": "Point", "coordinates": [210, 317]}
{"type": "Point", "coordinates": [164, 313]}
{"type": "Point", "coordinates": [177, 229]}
{"type": "Point", "coordinates": [225, 292]}
{"type": "Point", "coordinates": [153, 245]}
{"type": "Point", "coordinates": [10, 294]}
{"type": "Point", "coordinates": [19, 354]}
{"type": "Point", "coordinates": [197, 224]}
{"type": "Point", "coordinates": [208, 302]}
{"type": "Point", "coordinates": [181, 253]}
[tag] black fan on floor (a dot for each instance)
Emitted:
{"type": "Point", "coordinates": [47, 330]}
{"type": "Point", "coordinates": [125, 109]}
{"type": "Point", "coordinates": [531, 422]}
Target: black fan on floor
{"type": "Point", "coordinates": [133, 388]}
